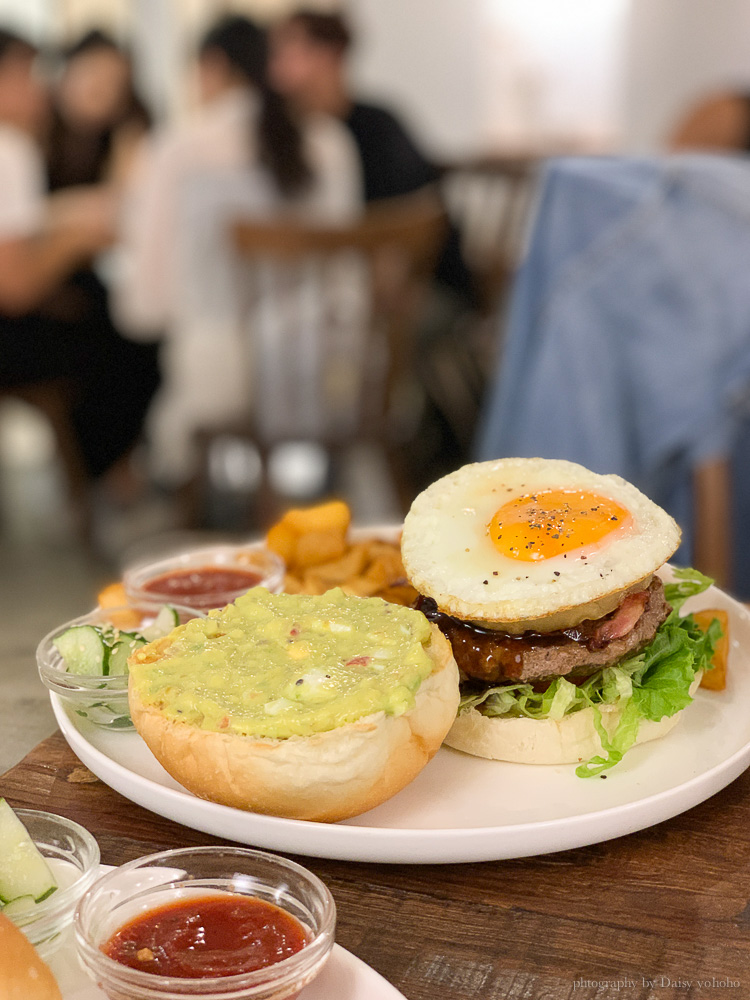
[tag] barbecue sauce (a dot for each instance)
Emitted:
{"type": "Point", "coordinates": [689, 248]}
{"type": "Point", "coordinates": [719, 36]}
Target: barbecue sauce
{"type": "Point", "coordinates": [485, 648]}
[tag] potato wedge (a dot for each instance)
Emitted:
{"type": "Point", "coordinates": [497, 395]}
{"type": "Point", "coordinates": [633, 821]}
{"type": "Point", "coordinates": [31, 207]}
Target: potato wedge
{"type": "Point", "coordinates": [716, 679]}
{"type": "Point", "coordinates": [333, 516]}
{"type": "Point", "coordinates": [113, 596]}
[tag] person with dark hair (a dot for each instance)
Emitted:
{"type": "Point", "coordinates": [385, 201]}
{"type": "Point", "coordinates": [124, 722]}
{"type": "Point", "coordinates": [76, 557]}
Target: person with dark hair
{"type": "Point", "coordinates": [98, 118]}
{"type": "Point", "coordinates": [34, 256]}
{"type": "Point", "coordinates": [244, 155]}
{"type": "Point", "coordinates": [43, 241]}
{"type": "Point", "coordinates": [308, 65]}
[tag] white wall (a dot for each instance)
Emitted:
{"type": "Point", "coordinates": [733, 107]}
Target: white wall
{"type": "Point", "coordinates": [30, 17]}
{"type": "Point", "coordinates": [553, 72]}
{"type": "Point", "coordinates": [476, 75]}
{"type": "Point", "coordinates": [678, 51]}
{"type": "Point", "coordinates": [422, 57]}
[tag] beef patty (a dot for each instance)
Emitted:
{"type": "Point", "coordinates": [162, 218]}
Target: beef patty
{"type": "Point", "coordinates": [491, 656]}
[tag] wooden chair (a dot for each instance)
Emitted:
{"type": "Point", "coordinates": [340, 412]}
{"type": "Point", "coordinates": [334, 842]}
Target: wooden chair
{"type": "Point", "coordinates": [332, 322]}
{"type": "Point", "coordinates": [712, 519]}
{"type": "Point", "coordinates": [490, 198]}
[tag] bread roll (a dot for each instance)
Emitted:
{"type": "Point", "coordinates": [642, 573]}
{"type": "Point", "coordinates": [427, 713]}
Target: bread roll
{"type": "Point", "coordinates": [325, 777]}
{"type": "Point", "coordinates": [570, 740]}
{"type": "Point", "coordinates": [23, 975]}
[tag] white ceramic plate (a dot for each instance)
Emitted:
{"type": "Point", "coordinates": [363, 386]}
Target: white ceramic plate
{"type": "Point", "coordinates": [344, 977]}
{"type": "Point", "coordinates": [463, 808]}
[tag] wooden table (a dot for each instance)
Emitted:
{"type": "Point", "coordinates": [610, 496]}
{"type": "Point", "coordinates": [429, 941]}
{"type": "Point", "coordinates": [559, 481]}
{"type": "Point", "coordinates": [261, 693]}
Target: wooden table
{"type": "Point", "coordinates": [670, 904]}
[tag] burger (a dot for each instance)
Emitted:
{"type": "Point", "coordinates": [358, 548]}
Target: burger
{"type": "Point", "coordinates": [544, 577]}
{"type": "Point", "coordinates": [308, 707]}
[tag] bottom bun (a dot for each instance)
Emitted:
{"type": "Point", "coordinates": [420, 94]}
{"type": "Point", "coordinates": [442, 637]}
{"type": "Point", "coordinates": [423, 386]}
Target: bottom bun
{"type": "Point", "coordinates": [325, 777]}
{"type": "Point", "coordinates": [23, 975]}
{"type": "Point", "coordinates": [570, 740]}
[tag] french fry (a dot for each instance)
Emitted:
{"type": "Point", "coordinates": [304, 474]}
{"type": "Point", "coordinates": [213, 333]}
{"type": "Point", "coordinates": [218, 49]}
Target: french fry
{"type": "Point", "coordinates": [332, 516]}
{"type": "Point", "coordinates": [293, 584]}
{"type": "Point", "coordinates": [352, 563]}
{"type": "Point", "coordinates": [314, 546]}
{"type": "Point", "coordinates": [399, 594]}
{"type": "Point", "coordinates": [113, 596]}
{"type": "Point", "coordinates": [283, 541]}
{"type": "Point", "coordinates": [360, 586]}
{"type": "Point", "coordinates": [716, 678]}
{"type": "Point", "coordinates": [318, 547]}
{"type": "Point", "coordinates": [376, 574]}
{"type": "Point", "coordinates": [312, 585]}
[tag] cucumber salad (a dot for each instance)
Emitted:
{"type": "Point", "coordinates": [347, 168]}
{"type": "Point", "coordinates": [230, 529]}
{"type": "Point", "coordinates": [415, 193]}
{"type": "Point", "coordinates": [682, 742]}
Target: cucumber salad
{"type": "Point", "coordinates": [103, 650]}
{"type": "Point", "coordinates": [25, 876]}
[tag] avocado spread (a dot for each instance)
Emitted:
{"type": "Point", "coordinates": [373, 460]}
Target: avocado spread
{"type": "Point", "coordinates": [281, 665]}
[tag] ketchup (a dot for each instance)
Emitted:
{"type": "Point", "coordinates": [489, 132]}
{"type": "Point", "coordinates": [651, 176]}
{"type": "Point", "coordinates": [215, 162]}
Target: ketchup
{"type": "Point", "coordinates": [207, 937]}
{"type": "Point", "coordinates": [199, 586]}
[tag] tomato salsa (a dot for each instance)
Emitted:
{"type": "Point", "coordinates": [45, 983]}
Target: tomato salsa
{"type": "Point", "coordinates": [200, 586]}
{"type": "Point", "coordinates": [207, 937]}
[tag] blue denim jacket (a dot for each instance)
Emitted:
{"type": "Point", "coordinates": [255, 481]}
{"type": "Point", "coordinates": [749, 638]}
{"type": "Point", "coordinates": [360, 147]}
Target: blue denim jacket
{"type": "Point", "coordinates": [628, 343]}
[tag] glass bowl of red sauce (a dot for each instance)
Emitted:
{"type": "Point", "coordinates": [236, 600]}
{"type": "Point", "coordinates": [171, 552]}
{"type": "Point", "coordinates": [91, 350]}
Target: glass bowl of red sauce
{"type": "Point", "coordinates": [100, 694]}
{"type": "Point", "coordinates": [210, 922]}
{"type": "Point", "coordinates": [209, 577]}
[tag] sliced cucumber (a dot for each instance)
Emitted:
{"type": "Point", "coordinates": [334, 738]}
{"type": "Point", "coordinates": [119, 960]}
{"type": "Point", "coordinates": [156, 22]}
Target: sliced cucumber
{"type": "Point", "coordinates": [23, 870]}
{"type": "Point", "coordinates": [164, 622]}
{"type": "Point", "coordinates": [83, 650]}
{"type": "Point", "coordinates": [18, 906]}
{"type": "Point", "coordinates": [123, 647]}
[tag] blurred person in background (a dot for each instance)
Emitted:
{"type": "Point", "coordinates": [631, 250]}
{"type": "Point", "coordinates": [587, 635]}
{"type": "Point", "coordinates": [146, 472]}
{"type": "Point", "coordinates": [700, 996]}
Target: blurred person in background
{"type": "Point", "coordinates": [309, 57]}
{"type": "Point", "coordinates": [97, 123]}
{"type": "Point", "coordinates": [98, 119]}
{"type": "Point", "coordinates": [45, 334]}
{"type": "Point", "coordinates": [244, 155]}
{"type": "Point", "coordinates": [717, 123]}
{"type": "Point", "coordinates": [309, 66]}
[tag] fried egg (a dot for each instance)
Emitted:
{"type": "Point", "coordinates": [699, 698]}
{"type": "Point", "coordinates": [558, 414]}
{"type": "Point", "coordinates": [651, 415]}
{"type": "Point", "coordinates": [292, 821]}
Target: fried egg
{"type": "Point", "coordinates": [540, 544]}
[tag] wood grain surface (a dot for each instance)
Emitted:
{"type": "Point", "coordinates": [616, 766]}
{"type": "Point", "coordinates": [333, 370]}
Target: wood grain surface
{"type": "Point", "coordinates": [658, 914]}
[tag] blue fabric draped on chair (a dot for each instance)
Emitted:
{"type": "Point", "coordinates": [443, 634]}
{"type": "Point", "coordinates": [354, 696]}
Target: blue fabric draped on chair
{"type": "Point", "coordinates": [628, 342]}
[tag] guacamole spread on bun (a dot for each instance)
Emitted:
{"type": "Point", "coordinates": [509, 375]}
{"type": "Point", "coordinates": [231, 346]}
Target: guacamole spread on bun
{"type": "Point", "coordinates": [316, 707]}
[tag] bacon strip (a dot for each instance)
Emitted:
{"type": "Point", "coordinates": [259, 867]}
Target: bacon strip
{"type": "Point", "coordinates": [621, 622]}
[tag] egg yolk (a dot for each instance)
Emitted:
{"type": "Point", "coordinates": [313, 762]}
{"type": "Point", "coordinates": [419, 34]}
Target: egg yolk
{"type": "Point", "coordinates": [548, 523]}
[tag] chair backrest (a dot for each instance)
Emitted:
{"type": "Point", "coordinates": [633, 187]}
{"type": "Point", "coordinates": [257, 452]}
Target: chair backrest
{"type": "Point", "coordinates": [332, 317]}
{"type": "Point", "coordinates": [490, 199]}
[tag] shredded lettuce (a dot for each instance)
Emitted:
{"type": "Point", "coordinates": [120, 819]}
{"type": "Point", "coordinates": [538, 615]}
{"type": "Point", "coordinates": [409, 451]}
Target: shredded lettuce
{"type": "Point", "coordinates": [652, 684]}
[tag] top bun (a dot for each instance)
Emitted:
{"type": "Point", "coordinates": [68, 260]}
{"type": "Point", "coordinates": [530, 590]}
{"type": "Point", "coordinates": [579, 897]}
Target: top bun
{"type": "Point", "coordinates": [565, 545]}
{"type": "Point", "coordinates": [325, 777]}
{"type": "Point", "coordinates": [311, 707]}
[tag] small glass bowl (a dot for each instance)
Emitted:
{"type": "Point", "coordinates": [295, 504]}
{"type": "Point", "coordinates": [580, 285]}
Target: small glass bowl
{"type": "Point", "coordinates": [73, 855]}
{"type": "Point", "coordinates": [133, 889]}
{"type": "Point", "coordinates": [102, 700]}
{"type": "Point", "coordinates": [254, 557]}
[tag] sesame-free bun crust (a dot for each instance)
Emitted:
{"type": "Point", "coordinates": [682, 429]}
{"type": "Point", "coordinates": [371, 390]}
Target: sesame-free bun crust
{"type": "Point", "coordinates": [325, 777]}
{"type": "Point", "coordinates": [23, 974]}
{"type": "Point", "coordinates": [570, 740]}
{"type": "Point", "coordinates": [449, 555]}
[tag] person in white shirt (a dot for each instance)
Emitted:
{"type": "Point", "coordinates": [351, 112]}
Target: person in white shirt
{"type": "Point", "coordinates": [244, 156]}
{"type": "Point", "coordinates": [37, 249]}
{"type": "Point", "coordinates": [47, 333]}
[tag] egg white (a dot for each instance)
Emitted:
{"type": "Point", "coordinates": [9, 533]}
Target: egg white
{"type": "Point", "coordinates": [449, 556]}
